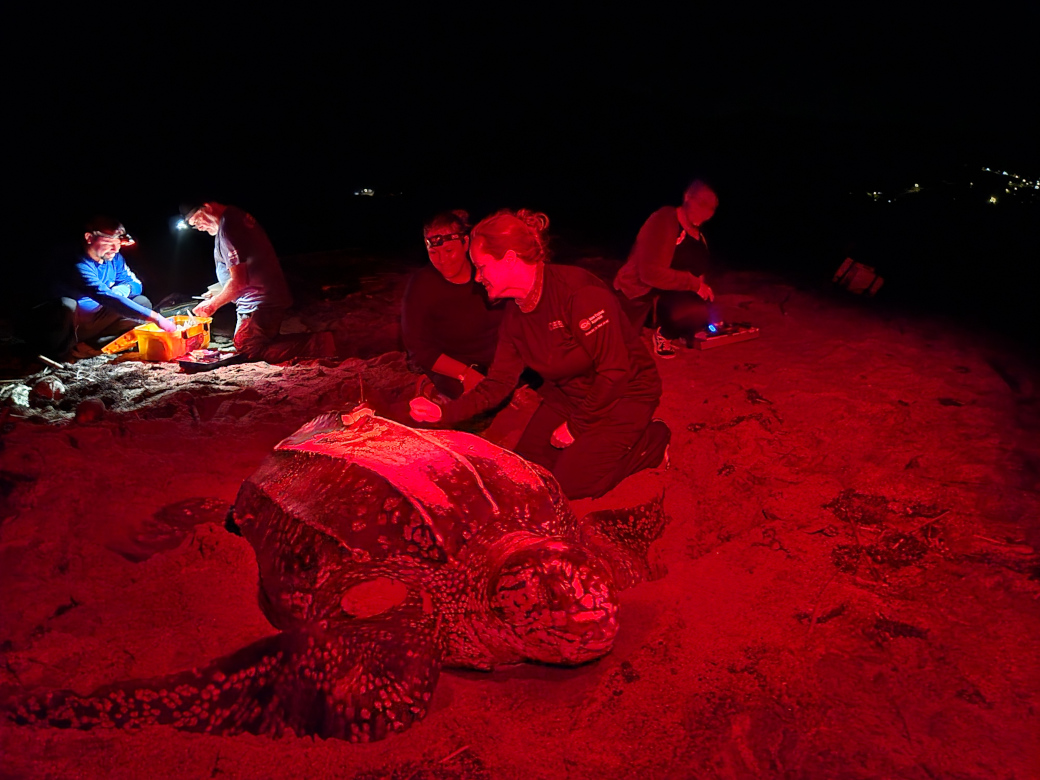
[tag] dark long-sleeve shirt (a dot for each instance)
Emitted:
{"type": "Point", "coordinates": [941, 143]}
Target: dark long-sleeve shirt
{"type": "Point", "coordinates": [650, 263]}
{"type": "Point", "coordinates": [575, 340]}
{"type": "Point", "coordinates": [95, 284]}
{"type": "Point", "coordinates": [441, 318]}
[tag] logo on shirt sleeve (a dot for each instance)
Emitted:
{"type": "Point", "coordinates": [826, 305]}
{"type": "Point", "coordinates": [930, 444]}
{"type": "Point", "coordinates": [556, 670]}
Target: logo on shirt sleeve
{"type": "Point", "coordinates": [594, 322]}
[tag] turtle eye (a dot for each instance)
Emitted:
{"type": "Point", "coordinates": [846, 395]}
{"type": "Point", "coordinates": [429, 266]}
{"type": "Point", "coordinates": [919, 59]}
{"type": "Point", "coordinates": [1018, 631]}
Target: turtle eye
{"type": "Point", "coordinates": [302, 562]}
{"type": "Point", "coordinates": [558, 602]}
{"type": "Point", "coordinates": [516, 595]}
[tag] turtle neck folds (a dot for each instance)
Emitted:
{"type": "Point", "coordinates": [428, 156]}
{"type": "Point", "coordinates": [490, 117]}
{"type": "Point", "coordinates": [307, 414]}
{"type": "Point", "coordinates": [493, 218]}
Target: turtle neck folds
{"type": "Point", "coordinates": [529, 301]}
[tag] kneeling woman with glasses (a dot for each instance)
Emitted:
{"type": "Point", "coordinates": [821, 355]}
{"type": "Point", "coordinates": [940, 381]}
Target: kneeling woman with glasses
{"type": "Point", "coordinates": [448, 325]}
{"type": "Point", "coordinates": [595, 424]}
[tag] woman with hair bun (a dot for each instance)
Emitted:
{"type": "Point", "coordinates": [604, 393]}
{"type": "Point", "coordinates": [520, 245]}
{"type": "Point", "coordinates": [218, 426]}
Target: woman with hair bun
{"type": "Point", "coordinates": [448, 326]}
{"type": "Point", "coordinates": [595, 424]}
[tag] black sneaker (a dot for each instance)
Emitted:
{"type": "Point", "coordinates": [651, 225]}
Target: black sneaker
{"type": "Point", "coordinates": [663, 348]}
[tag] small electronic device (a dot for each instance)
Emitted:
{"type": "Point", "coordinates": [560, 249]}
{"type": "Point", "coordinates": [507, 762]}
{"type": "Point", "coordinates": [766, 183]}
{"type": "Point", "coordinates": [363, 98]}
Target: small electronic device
{"type": "Point", "coordinates": [717, 334]}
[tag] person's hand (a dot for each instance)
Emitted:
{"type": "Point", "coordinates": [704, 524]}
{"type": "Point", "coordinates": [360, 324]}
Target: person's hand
{"type": "Point", "coordinates": [121, 289]}
{"type": "Point", "coordinates": [424, 410]}
{"type": "Point", "coordinates": [704, 291]}
{"type": "Point", "coordinates": [471, 379]}
{"type": "Point", "coordinates": [203, 310]}
{"type": "Point", "coordinates": [561, 437]}
{"type": "Point", "coordinates": [425, 387]}
{"type": "Point", "coordinates": [167, 325]}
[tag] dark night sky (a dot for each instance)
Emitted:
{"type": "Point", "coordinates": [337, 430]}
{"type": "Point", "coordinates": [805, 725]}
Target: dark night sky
{"type": "Point", "coordinates": [589, 114]}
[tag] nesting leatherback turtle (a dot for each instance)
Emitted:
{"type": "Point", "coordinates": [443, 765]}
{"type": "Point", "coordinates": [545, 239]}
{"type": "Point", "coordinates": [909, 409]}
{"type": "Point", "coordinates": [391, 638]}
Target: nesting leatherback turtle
{"type": "Point", "coordinates": [386, 553]}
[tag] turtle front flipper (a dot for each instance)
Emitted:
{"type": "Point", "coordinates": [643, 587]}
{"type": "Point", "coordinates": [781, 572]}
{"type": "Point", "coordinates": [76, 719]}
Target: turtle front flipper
{"type": "Point", "coordinates": [359, 682]}
{"type": "Point", "coordinates": [621, 539]}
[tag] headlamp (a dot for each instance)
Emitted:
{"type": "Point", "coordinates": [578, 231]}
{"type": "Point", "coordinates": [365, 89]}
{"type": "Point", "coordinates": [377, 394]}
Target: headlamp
{"type": "Point", "coordinates": [437, 240]}
{"type": "Point", "coordinates": [124, 238]}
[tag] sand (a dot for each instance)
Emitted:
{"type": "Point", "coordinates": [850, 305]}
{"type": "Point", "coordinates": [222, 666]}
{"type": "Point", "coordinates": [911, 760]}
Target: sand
{"type": "Point", "coordinates": [849, 578]}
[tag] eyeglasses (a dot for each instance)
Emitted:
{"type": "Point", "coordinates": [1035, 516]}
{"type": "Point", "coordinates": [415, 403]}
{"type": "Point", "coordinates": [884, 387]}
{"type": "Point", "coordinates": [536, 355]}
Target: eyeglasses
{"type": "Point", "coordinates": [432, 241]}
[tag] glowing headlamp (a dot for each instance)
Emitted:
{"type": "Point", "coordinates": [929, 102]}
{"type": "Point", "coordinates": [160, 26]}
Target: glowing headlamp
{"type": "Point", "coordinates": [124, 238]}
{"type": "Point", "coordinates": [437, 240]}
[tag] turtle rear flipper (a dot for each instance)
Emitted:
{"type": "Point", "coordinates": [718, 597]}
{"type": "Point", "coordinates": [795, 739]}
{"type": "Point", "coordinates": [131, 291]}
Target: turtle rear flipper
{"type": "Point", "coordinates": [359, 682]}
{"type": "Point", "coordinates": [168, 527]}
{"type": "Point", "coordinates": [622, 537]}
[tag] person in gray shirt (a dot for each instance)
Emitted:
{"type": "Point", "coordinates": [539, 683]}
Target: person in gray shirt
{"type": "Point", "coordinates": [251, 276]}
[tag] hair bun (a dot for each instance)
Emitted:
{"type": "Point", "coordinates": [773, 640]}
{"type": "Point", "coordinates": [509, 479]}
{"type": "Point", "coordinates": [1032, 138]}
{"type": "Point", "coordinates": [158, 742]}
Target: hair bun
{"type": "Point", "coordinates": [535, 220]}
{"type": "Point", "coordinates": [523, 231]}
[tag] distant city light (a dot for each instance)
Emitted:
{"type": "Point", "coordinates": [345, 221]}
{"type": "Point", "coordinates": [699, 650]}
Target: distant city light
{"type": "Point", "coordinates": [1015, 185]}
{"type": "Point", "coordinates": [1017, 188]}
{"type": "Point", "coordinates": [1019, 180]}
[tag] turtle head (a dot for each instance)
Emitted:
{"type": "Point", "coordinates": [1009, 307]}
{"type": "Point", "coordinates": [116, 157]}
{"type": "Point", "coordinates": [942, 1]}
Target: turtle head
{"type": "Point", "coordinates": [555, 602]}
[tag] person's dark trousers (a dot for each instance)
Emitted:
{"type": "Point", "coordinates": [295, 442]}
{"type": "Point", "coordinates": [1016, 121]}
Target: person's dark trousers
{"type": "Point", "coordinates": [636, 310]}
{"type": "Point", "coordinates": [681, 313]}
{"type": "Point", "coordinates": [257, 336]}
{"type": "Point", "coordinates": [49, 328]}
{"type": "Point", "coordinates": [678, 313]}
{"type": "Point", "coordinates": [624, 442]}
{"type": "Point", "coordinates": [101, 326]}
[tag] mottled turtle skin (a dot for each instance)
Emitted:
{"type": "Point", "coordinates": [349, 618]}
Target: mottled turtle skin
{"type": "Point", "coordinates": [384, 554]}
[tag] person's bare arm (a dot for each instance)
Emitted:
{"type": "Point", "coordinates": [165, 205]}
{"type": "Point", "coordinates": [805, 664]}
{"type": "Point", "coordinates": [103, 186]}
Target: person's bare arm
{"type": "Point", "coordinates": [235, 285]}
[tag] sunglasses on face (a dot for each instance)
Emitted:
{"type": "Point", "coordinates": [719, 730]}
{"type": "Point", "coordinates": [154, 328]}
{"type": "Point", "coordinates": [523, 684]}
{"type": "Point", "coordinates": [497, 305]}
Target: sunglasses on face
{"type": "Point", "coordinates": [432, 241]}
